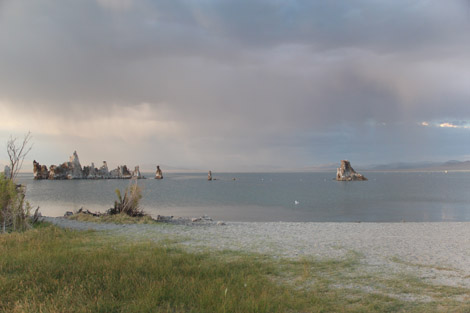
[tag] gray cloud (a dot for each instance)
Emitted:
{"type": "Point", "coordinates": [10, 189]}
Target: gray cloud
{"type": "Point", "coordinates": [257, 76]}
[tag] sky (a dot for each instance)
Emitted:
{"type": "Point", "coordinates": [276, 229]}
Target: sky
{"type": "Point", "coordinates": [236, 85]}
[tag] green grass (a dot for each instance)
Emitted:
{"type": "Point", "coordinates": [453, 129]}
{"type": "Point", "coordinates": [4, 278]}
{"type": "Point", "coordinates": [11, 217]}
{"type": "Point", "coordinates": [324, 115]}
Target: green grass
{"type": "Point", "coordinates": [54, 270]}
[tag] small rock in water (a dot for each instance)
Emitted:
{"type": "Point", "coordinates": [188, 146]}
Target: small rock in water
{"type": "Point", "coordinates": [220, 223]}
{"type": "Point", "coordinates": [195, 219]}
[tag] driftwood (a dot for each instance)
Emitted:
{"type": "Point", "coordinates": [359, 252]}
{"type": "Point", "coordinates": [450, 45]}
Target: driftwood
{"type": "Point", "coordinates": [112, 211]}
{"type": "Point", "coordinates": [88, 212]}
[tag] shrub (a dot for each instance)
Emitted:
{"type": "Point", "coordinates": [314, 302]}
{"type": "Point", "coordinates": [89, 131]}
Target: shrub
{"type": "Point", "coordinates": [129, 204]}
{"type": "Point", "coordinates": [15, 211]}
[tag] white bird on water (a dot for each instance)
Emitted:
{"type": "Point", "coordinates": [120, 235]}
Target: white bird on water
{"type": "Point", "coordinates": [296, 202]}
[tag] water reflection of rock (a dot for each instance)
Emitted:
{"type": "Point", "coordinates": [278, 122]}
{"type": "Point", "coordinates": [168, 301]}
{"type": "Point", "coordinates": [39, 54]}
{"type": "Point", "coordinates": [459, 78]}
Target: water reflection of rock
{"type": "Point", "coordinates": [73, 170]}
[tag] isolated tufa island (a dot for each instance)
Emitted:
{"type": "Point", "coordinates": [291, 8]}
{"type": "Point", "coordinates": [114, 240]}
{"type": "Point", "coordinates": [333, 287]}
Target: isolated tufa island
{"type": "Point", "coordinates": [73, 170]}
{"type": "Point", "coordinates": [346, 173]}
{"type": "Point", "coordinates": [158, 173]}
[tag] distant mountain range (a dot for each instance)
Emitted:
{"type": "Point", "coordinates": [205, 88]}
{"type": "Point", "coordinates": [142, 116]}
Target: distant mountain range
{"type": "Point", "coordinates": [452, 165]}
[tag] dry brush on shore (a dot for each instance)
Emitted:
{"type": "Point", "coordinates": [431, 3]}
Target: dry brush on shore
{"type": "Point", "coordinates": [128, 204]}
{"type": "Point", "coordinates": [15, 211]}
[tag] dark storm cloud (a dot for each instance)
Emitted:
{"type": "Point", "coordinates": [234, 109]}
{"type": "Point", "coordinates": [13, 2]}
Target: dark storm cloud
{"type": "Point", "coordinates": [89, 53]}
{"type": "Point", "coordinates": [242, 75]}
{"type": "Point", "coordinates": [391, 25]}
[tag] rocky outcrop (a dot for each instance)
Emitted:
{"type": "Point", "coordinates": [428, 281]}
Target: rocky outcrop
{"type": "Point", "coordinates": [103, 171]}
{"type": "Point", "coordinates": [58, 172]}
{"type": "Point", "coordinates": [346, 173]}
{"type": "Point", "coordinates": [74, 170]}
{"type": "Point", "coordinates": [114, 173]}
{"type": "Point", "coordinates": [75, 167]}
{"type": "Point", "coordinates": [120, 172]}
{"type": "Point", "coordinates": [40, 171]}
{"type": "Point", "coordinates": [90, 172]}
{"type": "Point", "coordinates": [209, 176]}
{"type": "Point", "coordinates": [125, 172]}
{"type": "Point", "coordinates": [159, 173]}
{"type": "Point", "coordinates": [136, 173]}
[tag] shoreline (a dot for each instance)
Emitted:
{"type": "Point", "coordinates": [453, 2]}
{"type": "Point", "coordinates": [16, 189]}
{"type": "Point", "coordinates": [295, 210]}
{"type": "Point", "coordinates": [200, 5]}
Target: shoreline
{"type": "Point", "coordinates": [438, 252]}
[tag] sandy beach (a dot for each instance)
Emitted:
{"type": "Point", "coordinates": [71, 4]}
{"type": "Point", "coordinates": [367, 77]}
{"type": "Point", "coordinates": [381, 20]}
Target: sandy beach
{"type": "Point", "coordinates": [436, 252]}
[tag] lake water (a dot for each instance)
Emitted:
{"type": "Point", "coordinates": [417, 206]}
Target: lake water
{"type": "Point", "coordinates": [386, 197]}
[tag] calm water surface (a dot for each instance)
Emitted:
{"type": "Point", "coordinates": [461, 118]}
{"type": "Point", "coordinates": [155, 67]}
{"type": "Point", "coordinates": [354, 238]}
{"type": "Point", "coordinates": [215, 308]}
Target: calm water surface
{"type": "Point", "coordinates": [386, 197]}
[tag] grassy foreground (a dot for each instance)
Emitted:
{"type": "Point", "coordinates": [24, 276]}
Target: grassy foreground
{"type": "Point", "coordinates": [54, 270]}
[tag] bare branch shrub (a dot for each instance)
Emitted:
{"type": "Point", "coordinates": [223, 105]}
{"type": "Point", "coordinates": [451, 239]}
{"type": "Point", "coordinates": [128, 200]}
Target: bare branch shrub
{"type": "Point", "coordinates": [14, 210]}
{"type": "Point", "coordinates": [17, 153]}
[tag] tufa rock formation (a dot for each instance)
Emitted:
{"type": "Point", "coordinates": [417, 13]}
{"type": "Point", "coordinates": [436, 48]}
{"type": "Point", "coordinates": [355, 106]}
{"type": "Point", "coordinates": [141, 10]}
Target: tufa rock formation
{"type": "Point", "coordinates": [7, 171]}
{"type": "Point", "coordinates": [209, 176]}
{"type": "Point", "coordinates": [158, 174]}
{"type": "Point", "coordinates": [89, 171]}
{"type": "Point", "coordinates": [75, 166]}
{"type": "Point", "coordinates": [58, 172]}
{"type": "Point", "coordinates": [136, 173]}
{"type": "Point", "coordinates": [121, 172]}
{"type": "Point", "coordinates": [40, 171]}
{"type": "Point", "coordinates": [74, 170]}
{"type": "Point", "coordinates": [103, 170]}
{"type": "Point", "coordinates": [346, 173]}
